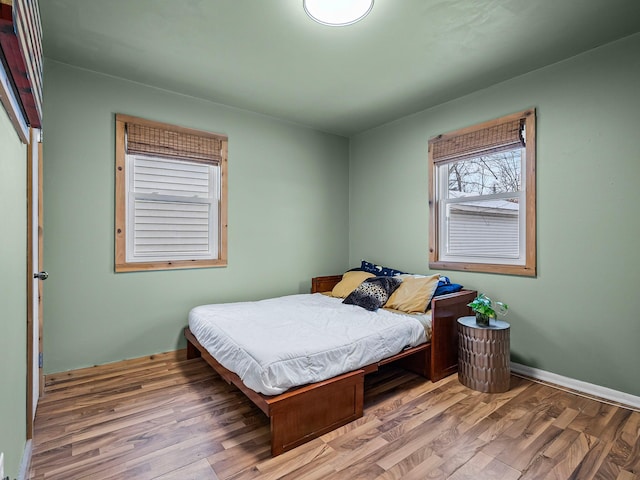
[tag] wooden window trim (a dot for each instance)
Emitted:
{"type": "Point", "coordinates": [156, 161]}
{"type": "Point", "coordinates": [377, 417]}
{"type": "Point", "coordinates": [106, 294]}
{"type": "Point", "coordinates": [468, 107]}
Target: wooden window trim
{"type": "Point", "coordinates": [529, 268]}
{"type": "Point", "coordinates": [121, 265]}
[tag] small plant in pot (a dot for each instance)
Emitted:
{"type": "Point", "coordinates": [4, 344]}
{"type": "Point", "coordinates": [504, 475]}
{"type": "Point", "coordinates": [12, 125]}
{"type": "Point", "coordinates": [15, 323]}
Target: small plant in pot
{"type": "Point", "coordinates": [485, 309]}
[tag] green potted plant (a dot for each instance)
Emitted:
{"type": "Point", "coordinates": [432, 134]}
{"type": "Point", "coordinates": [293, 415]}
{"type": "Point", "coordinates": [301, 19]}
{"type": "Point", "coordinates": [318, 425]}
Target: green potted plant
{"type": "Point", "coordinates": [484, 309]}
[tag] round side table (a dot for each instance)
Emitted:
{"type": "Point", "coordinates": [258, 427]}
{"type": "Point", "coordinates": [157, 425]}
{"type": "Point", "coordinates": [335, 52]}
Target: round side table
{"type": "Point", "coordinates": [483, 355]}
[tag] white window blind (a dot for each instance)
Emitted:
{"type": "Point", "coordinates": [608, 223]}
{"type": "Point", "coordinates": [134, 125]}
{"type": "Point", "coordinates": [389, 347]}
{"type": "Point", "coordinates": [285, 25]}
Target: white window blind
{"type": "Point", "coordinates": [172, 209]}
{"type": "Point", "coordinates": [483, 232]}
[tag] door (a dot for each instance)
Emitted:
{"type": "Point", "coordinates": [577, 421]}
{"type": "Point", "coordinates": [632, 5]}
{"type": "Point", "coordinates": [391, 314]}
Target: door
{"type": "Point", "coordinates": [35, 276]}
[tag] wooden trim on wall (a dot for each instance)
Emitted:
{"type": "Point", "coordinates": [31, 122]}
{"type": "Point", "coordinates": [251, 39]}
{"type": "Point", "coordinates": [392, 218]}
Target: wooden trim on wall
{"type": "Point", "coordinates": [121, 265]}
{"type": "Point", "coordinates": [174, 355]}
{"type": "Point", "coordinates": [120, 222]}
{"type": "Point", "coordinates": [33, 322]}
{"type": "Point", "coordinates": [40, 257]}
{"type": "Point", "coordinates": [529, 268]}
{"type": "Point", "coordinates": [224, 180]}
{"type": "Point", "coordinates": [30, 292]}
{"type": "Point", "coordinates": [169, 265]}
{"type": "Point", "coordinates": [434, 223]}
{"type": "Point", "coordinates": [530, 153]}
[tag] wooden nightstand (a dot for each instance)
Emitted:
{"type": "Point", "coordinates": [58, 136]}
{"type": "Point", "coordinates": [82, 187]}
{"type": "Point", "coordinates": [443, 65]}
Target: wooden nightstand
{"type": "Point", "coordinates": [483, 355]}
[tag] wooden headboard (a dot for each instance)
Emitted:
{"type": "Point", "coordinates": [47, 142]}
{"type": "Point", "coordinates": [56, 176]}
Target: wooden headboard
{"type": "Point", "coordinates": [324, 284]}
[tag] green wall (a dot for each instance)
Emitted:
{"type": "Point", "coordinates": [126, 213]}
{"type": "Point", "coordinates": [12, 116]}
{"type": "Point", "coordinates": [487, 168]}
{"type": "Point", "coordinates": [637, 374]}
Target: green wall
{"type": "Point", "coordinates": [577, 318]}
{"type": "Point", "coordinates": [288, 218]}
{"type": "Point", "coordinates": [13, 295]}
{"type": "Point", "coordinates": [305, 203]}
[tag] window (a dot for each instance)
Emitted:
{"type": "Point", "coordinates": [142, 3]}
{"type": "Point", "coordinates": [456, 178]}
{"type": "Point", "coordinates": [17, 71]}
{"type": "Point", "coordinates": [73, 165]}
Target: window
{"type": "Point", "coordinates": [482, 197]}
{"type": "Point", "coordinates": [170, 197]}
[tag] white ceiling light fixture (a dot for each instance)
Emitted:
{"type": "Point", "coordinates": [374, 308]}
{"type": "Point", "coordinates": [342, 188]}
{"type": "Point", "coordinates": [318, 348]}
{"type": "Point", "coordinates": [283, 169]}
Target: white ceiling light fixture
{"type": "Point", "coordinates": [337, 13]}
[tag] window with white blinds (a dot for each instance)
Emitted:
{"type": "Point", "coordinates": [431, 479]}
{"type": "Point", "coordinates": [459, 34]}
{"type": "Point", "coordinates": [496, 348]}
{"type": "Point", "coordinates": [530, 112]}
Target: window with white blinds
{"type": "Point", "coordinates": [171, 197]}
{"type": "Point", "coordinates": [482, 197]}
{"type": "Point", "coordinates": [172, 207]}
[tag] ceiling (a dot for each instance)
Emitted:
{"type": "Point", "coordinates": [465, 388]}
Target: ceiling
{"type": "Point", "coordinates": [267, 56]}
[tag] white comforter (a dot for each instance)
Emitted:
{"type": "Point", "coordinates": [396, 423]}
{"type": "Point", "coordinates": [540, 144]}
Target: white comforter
{"type": "Point", "coordinates": [279, 343]}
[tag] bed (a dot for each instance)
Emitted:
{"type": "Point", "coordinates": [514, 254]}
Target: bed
{"type": "Point", "coordinates": [301, 413]}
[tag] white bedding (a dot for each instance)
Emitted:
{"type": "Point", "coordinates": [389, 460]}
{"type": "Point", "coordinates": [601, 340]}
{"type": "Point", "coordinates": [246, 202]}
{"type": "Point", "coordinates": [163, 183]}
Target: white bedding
{"type": "Point", "coordinates": [279, 343]}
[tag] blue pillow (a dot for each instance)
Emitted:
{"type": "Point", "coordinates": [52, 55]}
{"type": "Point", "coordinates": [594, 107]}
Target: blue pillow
{"type": "Point", "coordinates": [447, 288]}
{"type": "Point", "coordinates": [378, 270]}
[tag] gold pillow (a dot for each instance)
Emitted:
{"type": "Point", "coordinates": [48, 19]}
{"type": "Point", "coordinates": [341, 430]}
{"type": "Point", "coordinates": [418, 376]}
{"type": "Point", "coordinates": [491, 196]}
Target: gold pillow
{"type": "Point", "coordinates": [414, 293]}
{"type": "Point", "coordinates": [350, 281]}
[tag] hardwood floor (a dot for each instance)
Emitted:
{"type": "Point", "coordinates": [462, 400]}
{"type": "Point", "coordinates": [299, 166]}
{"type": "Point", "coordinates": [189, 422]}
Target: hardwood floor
{"type": "Point", "coordinates": [169, 418]}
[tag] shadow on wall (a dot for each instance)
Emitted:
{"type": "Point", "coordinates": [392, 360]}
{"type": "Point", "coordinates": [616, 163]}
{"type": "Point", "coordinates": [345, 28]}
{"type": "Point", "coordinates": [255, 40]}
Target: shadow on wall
{"type": "Point", "coordinates": [522, 360]}
{"type": "Point", "coordinates": [304, 287]}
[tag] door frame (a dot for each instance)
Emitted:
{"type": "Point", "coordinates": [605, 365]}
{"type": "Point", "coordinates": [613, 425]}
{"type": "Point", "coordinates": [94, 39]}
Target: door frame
{"type": "Point", "coordinates": [35, 382]}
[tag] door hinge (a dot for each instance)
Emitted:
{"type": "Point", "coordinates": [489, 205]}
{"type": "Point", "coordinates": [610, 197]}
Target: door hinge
{"type": "Point", "coordinates": [40, 360]}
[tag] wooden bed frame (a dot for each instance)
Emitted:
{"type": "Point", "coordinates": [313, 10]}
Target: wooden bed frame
{"type": "Point", "coordinates": [304, 413]}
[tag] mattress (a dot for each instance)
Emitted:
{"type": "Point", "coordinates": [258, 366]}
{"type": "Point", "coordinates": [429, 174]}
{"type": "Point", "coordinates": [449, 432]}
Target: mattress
{"type": "Point", "coordinates": [279, 343]}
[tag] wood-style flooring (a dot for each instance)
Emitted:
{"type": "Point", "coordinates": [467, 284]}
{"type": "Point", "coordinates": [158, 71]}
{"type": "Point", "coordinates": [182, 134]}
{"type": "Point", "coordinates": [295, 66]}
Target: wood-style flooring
{"type": "Point", "coordinates": [169, 418]}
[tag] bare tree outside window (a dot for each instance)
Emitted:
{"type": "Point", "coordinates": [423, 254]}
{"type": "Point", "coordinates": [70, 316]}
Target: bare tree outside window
{"type": "Point", "coordinates": [487, 175]}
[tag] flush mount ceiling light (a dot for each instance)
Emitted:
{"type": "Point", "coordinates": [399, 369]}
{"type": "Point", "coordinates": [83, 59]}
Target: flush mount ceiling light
{"type": "Point", "coordinates": [337, 13]}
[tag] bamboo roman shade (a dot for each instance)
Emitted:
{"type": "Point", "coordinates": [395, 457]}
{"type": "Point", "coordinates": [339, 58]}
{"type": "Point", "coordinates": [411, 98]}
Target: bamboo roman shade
{"type": "Point", "coordinates": [149, 140]}
{"type": "Point", "coordinates": [485, 141]}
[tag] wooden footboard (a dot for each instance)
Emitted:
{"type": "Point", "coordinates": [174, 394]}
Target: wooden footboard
{"type": "Point", "coordinates": [303, 414]}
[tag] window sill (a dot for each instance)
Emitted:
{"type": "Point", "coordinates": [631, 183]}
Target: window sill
{"type": "Point", "coordinates": [522, 270]}
{"type": "Point", "coordinates": [169, 265]}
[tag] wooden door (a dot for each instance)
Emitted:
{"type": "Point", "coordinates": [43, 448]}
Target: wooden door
{"type": "Point", "coordinates": [35, 276]}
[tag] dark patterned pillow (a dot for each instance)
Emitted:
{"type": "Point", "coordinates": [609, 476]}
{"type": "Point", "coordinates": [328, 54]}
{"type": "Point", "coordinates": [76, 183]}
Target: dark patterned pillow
{"type": "Point", "coordinates": [373, 293]}
{"type": "Point", "coordinates": [378, 270]}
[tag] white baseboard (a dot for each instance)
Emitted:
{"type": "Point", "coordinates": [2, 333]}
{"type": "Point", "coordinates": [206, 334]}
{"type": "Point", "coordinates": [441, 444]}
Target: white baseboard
{"type": "Point", "coordinates": [23, 474]}
{"type": "Point", "coordinates": [578, 385]}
